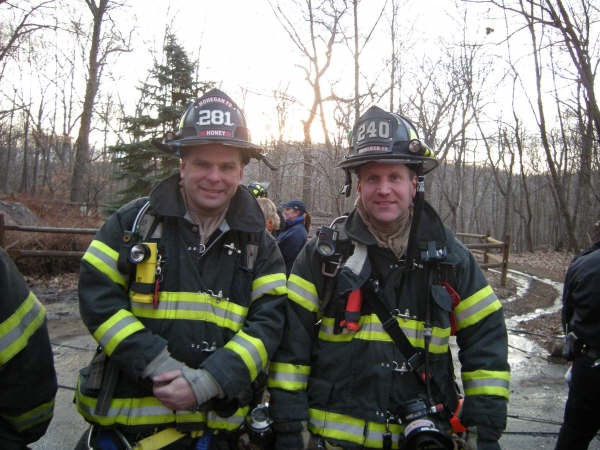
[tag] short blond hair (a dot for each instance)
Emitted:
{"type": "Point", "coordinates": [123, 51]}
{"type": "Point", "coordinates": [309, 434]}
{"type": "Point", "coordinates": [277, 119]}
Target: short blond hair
{"type": "Point", "coordinates": [270, 211]}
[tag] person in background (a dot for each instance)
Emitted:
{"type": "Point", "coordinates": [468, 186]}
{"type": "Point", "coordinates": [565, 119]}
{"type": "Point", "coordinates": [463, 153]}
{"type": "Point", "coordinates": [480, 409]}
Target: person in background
{"type": "Point", "coordinates": [581, 322]}
{"type": "Point", "coordinates": [184, 291]}
{"type": "Point", "coordinates": [27, 375]}
{"type": "Point", "coordinates": [373, 304]}
{"type": "Point", "coordinates": [269, 209]}
{"type": "Point", "coordinates": [294, 235]}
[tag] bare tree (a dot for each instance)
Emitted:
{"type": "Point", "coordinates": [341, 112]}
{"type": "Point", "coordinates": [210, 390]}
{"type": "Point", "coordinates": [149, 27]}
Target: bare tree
{"type": "Point", "coordinates": [101, 46]}
{"type": "Point", "coordinates": [323, 32]}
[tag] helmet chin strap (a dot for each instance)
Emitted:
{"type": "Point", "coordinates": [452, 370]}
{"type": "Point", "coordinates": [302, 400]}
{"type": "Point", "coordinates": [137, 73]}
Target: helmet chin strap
{"type": "Point", "coordinates": [347, 187]}
{"type": "Point", "coordinates": [412, 252]}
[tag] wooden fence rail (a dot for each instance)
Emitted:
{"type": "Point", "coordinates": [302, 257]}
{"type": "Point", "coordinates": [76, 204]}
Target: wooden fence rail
{"type": "Point", "coordinates": [484, 249]}
{"type": "Point", "coordinates": [484, 252]}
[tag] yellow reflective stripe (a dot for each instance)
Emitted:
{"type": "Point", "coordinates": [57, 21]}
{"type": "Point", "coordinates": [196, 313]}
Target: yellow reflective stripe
{"type": "Point", "coordinates": [371, 329]}
{"type": "Point", "coordinates": [347, 428]}
{"type": "Point", "coordinates": [118, 327]}
{"type": "Point", "coordinates": [193, 306]}
{"type": "Point", "coordinates": [476, 307]}
{"type": "Point", "coordinates": [104, 259]}
{"type": "Point", "coordinates": [486, 382]}
{"type": "Point", "coordinates": [16, 330]}
{"type": "Point", "coordinates": [272, 284]}
{"type": "Point", "coordinates": [31, 418]}
{"type": "Point", "coordinates": [303, 292]}
{"type": "Point", "coordinates": [251, 350]}
{"type": "Point", "coordinates": [291, 377]}
{"type": "Point", "coordinates": [149, 411]}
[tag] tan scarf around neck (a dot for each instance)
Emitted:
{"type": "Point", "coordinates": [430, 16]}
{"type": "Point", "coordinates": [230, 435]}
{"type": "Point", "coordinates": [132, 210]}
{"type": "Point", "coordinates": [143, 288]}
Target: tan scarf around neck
{"type": "Point", "coordinates": [394, 238]}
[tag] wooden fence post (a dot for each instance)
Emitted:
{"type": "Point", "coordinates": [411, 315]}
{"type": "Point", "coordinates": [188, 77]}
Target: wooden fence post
{"type": "Point", "coordinates": [2, 230]}
{"type": "Point", "coordinates": [505, 252]}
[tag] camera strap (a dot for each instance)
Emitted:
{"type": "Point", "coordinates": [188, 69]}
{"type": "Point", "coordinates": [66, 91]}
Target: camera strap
{"type": "Point", "coordinates": [415, 358]}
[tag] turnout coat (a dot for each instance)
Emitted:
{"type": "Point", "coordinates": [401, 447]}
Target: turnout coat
{"type": "Point", "coordinates": [219, 307]}
{"type": "Point", "coordinates": [350, 384]}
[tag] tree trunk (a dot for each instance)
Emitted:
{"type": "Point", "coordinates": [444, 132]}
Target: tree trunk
{"type": "Point", "coordinates": [79, 175]}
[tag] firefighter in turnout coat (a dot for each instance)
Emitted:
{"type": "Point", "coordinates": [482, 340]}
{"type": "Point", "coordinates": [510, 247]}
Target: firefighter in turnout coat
{"type": "Point", "coordinates": [27, 373]}
{"type": "Point", "coordinates": [373, 303]}
{"type": "Point", "coordinates": [184, 293]}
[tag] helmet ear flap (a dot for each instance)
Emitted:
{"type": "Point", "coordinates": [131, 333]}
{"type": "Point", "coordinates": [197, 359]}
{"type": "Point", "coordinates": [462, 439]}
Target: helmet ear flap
{"type": "Point", "coordinates": [346, 189]}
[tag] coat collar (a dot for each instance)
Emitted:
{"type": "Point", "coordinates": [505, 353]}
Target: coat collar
{"type": "Point", "coordinates": [243, 213]}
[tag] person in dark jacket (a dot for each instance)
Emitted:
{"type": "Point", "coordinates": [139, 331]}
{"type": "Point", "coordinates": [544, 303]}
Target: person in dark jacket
{"type": "Point", "coordinates": [184, 292]}
{"type": "Point", "coordinates": [294, 234]}
{"type": "Point", "coordinates": [27, 374]}
{"type": "Point", "coordinates": [365, 360]}
{"type": "Point", "coordinates": [581, 322]}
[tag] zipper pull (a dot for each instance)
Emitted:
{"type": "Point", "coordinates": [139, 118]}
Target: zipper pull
{"type": "Point", "coordinates": [157, 280]}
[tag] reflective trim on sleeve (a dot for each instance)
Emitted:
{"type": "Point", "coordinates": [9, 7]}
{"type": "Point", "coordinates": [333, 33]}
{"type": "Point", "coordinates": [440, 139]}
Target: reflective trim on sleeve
{"type": "Point", "coordinates": [104, 259]}
{"type": "Point", "coordinates": [117, 328]}
{"type": "Point", "coordinates": [290, 377]}
{"type": "Point", "coordinates": [16, 330]}
{"type": "Point", "coordinates": [251, 350]}
{"type": "Point", "coordinates": [486, 382]}
{"type": "Point", "coordinates": [476, 307]}
{"type": "Point", "coordinates": [347, 428]}
{"type": "Point", "coordinates": [371, 329]}
{"type": "Point", "coordinates": [303, 292]}
{"type": "Point", "coordinates": [149, 411]}
{"type": "Point", "coordinates": [272, 284]}
{"type": "Point", "coordinates": [31, 418]}
{"type": "Point", "coordinates": [193, 306]}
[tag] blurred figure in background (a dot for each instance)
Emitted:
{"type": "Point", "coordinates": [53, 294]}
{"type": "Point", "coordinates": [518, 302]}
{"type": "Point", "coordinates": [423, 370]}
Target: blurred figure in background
{"type": "Point", "coordinates": [269, 209]}
{"type": "Point", "coordinates": [27, 374]}
{"type": "Point", "coordinates": [294, 234]}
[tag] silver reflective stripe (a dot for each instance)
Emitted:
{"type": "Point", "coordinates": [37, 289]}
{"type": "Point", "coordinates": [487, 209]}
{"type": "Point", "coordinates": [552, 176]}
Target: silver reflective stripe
{"type": "Point", "coordinates": [288, 377]}
{"type": "Point", "coordinates": [301, 292]}
{"type": "Point", "coordinates": [116, 328]}
{"type": "Point", "coordinates": [267, 288]}
{"type": "Point", "coordinates": [252, 350]}
{"type": "Point", "coordinates": [179, 305]}
{"type": "Point", "coordinates": [485, 382]}
{"type": "Point", "coordinates": [20, 329]}
{"type": "Point", "coordinates": [110, 262]}
{"type": "Point", "coordinates": [476, 308]}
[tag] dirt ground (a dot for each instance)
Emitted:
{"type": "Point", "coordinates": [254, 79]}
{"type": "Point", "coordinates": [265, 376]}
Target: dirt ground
{"type": "Point", "coordinates": [537, 389]}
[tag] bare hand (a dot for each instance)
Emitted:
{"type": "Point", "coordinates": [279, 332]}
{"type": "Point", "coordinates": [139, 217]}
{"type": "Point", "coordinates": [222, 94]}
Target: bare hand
{"type": "Point", "coordinates": [174, 391]}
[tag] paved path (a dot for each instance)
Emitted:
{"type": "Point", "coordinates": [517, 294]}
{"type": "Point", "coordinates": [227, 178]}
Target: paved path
{"type": "Point", "coordinates": [538, 392]}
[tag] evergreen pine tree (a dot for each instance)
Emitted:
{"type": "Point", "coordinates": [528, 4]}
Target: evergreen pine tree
{"type": "Point", "coordinates": [169, 89]}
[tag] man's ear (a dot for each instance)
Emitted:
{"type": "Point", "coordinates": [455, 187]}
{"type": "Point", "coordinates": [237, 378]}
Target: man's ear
{"type": "Point", "coordinates": [414, 186]}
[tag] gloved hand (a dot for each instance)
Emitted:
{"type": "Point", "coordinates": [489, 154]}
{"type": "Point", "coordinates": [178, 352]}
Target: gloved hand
{"type": "Point", "coordinates": [482, 437]}
{"type": "Point", "coordinates": [291, 435]}
{"type": "Point", "coordinates": [164, 362]}
{"type": "Point", "coordinates": [203, 384]}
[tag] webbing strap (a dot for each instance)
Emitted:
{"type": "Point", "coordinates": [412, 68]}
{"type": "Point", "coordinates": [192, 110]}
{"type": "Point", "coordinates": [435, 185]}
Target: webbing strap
{"type": "Point", "coordinates": [159, 440]}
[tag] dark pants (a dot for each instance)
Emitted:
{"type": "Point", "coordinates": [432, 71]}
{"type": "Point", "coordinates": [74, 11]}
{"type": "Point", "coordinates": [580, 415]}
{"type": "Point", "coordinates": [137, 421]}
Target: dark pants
{"type": "Point", "coordinates": [582, 411]}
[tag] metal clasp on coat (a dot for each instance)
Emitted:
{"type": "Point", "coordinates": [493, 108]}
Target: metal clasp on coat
{"type": "Point", "coordinates": [400, 367]}
{"type": "Point", "coordinates": [403, 315]}
{"type": "Point", "coordinates": [205, 346]}
{"type": "Point", "coordinates": [231, 248]}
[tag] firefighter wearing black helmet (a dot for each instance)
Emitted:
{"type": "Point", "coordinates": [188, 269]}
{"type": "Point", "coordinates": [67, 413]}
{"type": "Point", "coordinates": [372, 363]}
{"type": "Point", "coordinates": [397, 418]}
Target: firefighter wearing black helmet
{"type": "Point", "coordinates": [386, 287]}
{"type": "Point", "coordinates": [184, 293]}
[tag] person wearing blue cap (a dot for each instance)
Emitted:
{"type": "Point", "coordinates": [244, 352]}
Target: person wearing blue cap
{"type": "Point", "coordinates": [294, 234]}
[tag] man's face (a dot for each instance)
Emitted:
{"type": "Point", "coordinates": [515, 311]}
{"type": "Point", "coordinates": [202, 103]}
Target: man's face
{"type": "Point", "coordinates": [210, 176]}
{"type": "Point", "coordinates": [290, 213]}
{"type": "Point", "coordinates": [386, 191]}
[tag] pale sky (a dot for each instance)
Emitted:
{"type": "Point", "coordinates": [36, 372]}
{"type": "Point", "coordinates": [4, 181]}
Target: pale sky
{"type": "Point", "coordinates": [244, 48]}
